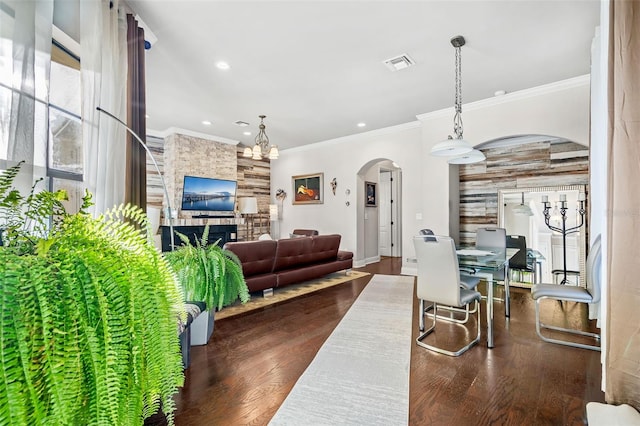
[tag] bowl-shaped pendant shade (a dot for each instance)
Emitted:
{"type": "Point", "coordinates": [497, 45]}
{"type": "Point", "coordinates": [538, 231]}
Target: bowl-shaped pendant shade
{"type": "Point", "coordinates": [451, 147]}
{"type": "Point", "coordinates": [473, 156]}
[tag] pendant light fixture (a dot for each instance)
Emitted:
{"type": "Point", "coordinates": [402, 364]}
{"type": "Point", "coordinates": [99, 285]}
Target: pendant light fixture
{"type": "Point", "coordinates": [522, 209]}
{"type": "Point", "coordinates": [457, 146]}
{"type": "Point", "coordinates": [262, 148]}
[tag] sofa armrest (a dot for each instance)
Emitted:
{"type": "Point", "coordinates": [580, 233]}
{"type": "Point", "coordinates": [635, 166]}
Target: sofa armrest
{"type": "Point", "coordinates": [344, 255]}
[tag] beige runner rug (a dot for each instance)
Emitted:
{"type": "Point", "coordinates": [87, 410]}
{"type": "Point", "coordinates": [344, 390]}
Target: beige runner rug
{"type": "Point", "coordinates": [360, 376]}
{"type": "Point", "coordinates": [289, 292]}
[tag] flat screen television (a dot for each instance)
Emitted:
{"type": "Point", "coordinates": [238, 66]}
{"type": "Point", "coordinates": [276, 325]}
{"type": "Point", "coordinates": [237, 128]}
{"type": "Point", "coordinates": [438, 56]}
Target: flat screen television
{"type": "Point", "coordinates": [208, 194]}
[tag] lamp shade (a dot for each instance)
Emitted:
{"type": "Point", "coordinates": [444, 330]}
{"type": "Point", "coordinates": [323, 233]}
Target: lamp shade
{"type": "Point", "coordinates": [273, 212]}
{"type": "Point", "coordinates": [248, 152]}
{"type": "Point", "coordinates": [257, 152]}
{"type": "Point", "coordinates": [248, 205]}
{"type": "Point", "coordinates": [451, 147]}
{"type": "Point", "coordinates": [522, 210]}
{"type": "Point", "coordinates": [274, 153]}
{"type": "Point", "coordinates": [473, 156]}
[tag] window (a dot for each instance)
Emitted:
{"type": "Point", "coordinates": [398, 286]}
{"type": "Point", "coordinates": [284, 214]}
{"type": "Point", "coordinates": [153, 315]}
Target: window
{"type": "Point", "coordinates": [65, 125]}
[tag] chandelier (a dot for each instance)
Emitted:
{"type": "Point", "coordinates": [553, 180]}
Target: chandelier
{"type": "Point", "coordinates": [461, 150]}
{"type": "Point", "coordinates": [262, 148]}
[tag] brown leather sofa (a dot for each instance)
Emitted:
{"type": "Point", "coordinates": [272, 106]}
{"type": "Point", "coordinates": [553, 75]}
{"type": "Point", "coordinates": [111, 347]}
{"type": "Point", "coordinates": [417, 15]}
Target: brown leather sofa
{"type": "Point", "coordinates": [270, 264]}
{"type": "Point", "coordinates": [307, 232]}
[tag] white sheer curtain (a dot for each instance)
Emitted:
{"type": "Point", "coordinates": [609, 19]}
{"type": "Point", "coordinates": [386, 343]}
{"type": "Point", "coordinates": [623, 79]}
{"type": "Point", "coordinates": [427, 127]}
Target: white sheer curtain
{"type": "Point", "coordinates": [104, 77]}
{"type": "Point", "coordinates": [25, 62]}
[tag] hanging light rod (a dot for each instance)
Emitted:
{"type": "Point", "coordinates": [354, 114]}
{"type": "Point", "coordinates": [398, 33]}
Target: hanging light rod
{"type": "Point", "coordinates": [457, 146]}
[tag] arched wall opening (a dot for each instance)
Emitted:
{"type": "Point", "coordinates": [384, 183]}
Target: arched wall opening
{"type": "Point", "coordinates": [378, 211]}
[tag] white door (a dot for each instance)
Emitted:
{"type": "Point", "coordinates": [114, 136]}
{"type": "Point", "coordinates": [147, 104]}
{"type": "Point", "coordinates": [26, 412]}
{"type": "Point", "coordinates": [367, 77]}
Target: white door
{"type": "Point", "coordinates": [384, 208]}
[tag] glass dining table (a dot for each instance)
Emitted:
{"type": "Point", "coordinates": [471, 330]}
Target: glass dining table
{"type": "Point", "coordinates": [486, 261]}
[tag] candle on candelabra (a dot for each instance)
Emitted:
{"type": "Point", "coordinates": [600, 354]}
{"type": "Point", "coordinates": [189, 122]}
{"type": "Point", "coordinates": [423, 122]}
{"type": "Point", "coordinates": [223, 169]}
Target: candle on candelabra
{"type": "Point", "coordinates": [545, 198]}
{"type": "Point", "coordinates": [563, 197]}
{"type": "Point", "coordinates": [581, 196]}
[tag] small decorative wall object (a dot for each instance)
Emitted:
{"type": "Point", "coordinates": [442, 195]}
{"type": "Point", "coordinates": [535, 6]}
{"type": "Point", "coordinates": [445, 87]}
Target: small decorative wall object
{"type": "Point", "coordinates": [334, 185]}
{"type": "Point", "coordinates": [280, 194]}
{"type": "Point", "coordinates": [371, 197]}
{"type": "Point", "coordinates": [307, 189]}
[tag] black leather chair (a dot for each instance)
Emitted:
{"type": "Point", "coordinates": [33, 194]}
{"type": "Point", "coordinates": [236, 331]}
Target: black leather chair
{"type": "Point", "coordinates": [520, 262]}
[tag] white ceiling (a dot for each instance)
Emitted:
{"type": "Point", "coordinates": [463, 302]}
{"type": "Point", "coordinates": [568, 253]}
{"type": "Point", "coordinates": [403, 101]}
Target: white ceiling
{"type": "Point", "coordinates": [314, 68]}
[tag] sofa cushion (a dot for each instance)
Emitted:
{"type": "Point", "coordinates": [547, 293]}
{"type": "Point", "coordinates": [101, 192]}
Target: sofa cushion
{"type": "Point", "coordinates": [256, 256]}
{"type": "Point", "coordinates": [292, 253]}
{"type": "Point", "coordinates": [261, 282]}
{"type": "Point", "coordinates": [305, 273]}
{"type": "Point", "coordinates": [324, 248]}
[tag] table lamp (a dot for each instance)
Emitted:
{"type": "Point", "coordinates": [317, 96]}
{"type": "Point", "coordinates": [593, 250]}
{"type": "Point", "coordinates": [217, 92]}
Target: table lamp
{"type": "Point", "coordinates": [248, 206]}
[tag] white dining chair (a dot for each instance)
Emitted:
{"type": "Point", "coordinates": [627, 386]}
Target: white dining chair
{"type": "Point", "coordinates": [438, 282]}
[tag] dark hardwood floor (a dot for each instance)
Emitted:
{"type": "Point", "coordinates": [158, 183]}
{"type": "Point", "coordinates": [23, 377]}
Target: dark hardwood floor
{"type": "Point", "coordinates": [252, 361]}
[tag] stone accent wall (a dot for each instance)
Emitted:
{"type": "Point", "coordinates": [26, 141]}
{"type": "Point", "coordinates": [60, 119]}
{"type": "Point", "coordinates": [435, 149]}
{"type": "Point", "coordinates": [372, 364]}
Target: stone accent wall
{"type": "Point", "coordinates": [521, 166]}
{"type": "Point", "coordinates": [191, 156]}
{"type": "Point", "coordinates": [179, 155]}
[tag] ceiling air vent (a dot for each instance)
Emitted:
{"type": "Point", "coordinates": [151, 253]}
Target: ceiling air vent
{"type": "Point", "coordinates": [399, 62]}
{"type": "Point", "coordinates": [241, 123]}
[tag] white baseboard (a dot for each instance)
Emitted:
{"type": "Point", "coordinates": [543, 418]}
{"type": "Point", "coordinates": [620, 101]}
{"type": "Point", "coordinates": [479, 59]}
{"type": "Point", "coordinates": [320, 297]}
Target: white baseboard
{"type": "Point", "coordinates": [409, 270]}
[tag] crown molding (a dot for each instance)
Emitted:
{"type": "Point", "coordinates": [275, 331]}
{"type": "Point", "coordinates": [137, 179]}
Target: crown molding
{"type": "Point", "coordinates": [176, 130]}
{"type": "Point", "coordinates": [356, 137]}
{"type": "Point", "coordinates": [558, 86]}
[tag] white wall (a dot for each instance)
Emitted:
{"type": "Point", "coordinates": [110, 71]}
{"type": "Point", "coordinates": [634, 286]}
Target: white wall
{"type": "Point", "coordinates": [343, 159]}
{"type": "Point", "coordinates": [560, 109]}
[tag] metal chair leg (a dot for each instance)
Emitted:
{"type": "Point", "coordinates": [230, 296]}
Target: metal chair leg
{"type": "Point", "coordinates": [457, 352]}
{"type": "Point", "coordinates": [540, 325]}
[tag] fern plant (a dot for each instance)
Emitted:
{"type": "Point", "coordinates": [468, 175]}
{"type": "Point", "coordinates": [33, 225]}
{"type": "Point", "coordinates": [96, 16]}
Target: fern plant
{"type": "Point", "coordinates": [208, 273]}
{"type": "Point", "coordinates": [88, 315]}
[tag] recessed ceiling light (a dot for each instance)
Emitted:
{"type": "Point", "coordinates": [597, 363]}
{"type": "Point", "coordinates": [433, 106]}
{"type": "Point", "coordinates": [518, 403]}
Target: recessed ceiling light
{"type": "Point", "coordinates": [206, 122]}
{"type": "Point", "coordinates": [247, 133]}
{"type": "Point", "coordinates": [362, 124]}
{"type": "Point", "coordinates": [223, 65]}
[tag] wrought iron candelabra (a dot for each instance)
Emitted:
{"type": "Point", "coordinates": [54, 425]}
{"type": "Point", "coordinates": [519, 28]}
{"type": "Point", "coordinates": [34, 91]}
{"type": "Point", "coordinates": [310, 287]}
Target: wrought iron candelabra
{"type": "Point", "coordinates": [563, 230]}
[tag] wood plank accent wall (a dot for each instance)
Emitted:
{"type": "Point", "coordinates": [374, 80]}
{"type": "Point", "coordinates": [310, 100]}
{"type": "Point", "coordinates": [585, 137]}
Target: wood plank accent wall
{"type": "Point", "coordinates": [520, 166]}
{"type": "Point", "coordinates": [254, 180]}
{"type": "Point", "coordinates": [191, 156]}
{"type": "Point", "coordinates": [155, 193]}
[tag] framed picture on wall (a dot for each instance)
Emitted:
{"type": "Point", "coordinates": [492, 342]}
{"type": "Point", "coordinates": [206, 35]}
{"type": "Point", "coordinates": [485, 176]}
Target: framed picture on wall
{"type": "Point", "coordinates": [371, 195]}
{"type": "Point", "coordinates": [307, 189]}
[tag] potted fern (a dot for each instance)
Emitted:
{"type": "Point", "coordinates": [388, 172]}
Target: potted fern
{"type": "Point", "coordinates": [88, 315]}
{"type": "Point", "coordinates": [209, 274]}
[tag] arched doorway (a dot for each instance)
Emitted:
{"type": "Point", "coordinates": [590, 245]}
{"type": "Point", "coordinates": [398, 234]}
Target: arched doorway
{"type": "Point", "coordinates": [379, 211]}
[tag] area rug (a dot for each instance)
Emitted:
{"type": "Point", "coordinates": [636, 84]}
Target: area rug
{"type": "Point", "coordinates": [289, 292]}
{"type": "Point", "coordinates": [360, 376]}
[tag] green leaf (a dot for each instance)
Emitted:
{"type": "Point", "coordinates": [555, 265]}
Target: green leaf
{"type": "Point", "coordinates": [88, 315]}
